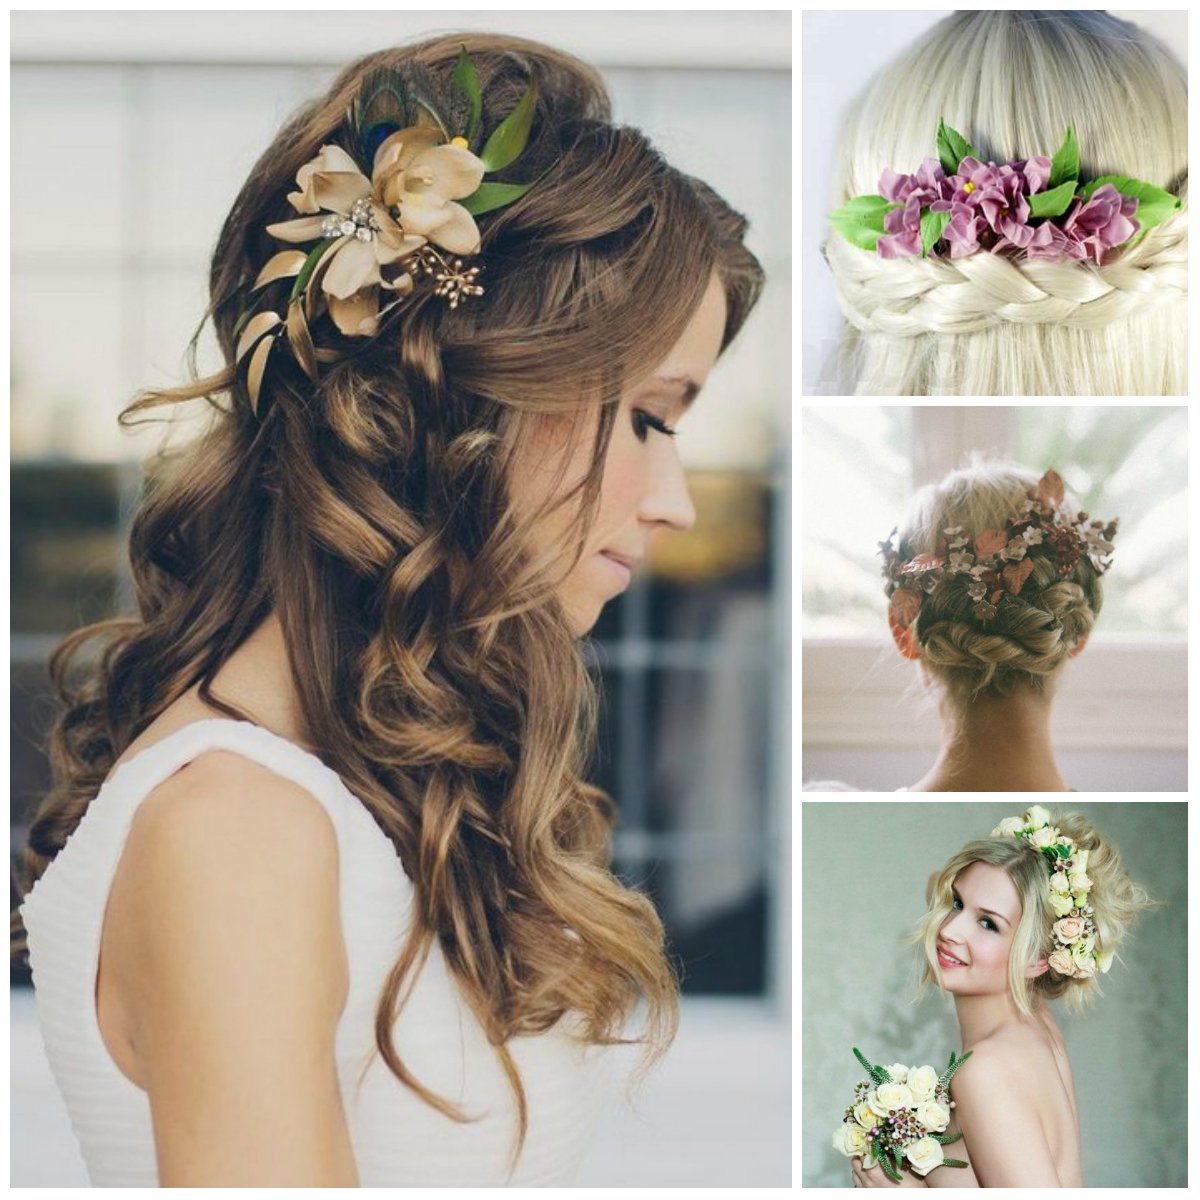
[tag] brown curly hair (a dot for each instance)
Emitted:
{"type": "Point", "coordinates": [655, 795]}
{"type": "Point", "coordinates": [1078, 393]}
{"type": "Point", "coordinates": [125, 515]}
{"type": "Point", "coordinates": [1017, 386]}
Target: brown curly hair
{"type": "Point", "coordinates": [369, 511]}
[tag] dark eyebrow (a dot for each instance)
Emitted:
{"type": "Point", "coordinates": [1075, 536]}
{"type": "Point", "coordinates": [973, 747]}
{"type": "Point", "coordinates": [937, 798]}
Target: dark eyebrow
{"type": "Point", "coordinates": [989, 912]}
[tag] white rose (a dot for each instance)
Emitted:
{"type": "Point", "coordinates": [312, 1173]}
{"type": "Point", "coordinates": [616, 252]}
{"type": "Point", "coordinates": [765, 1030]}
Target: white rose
{"type": "Point", "coordinates": [1080, 882]}
{"type": "Point", "coordinates": [890, 1097]}
{"type": "Point", "coordinates": [1061, 962]}
{"type": "Point", "coordinates": [1069, 929]}
{"type": "Point", "coordinates": [898, 1072]}
{"type": "Point", "coordinates": [850, 1140]}
{"type": "Point", "coordinates": [1060, 905]}
{"type": "Point", "coordinates": [1036, 817]}
{"type": "Point", "coordinates": [1009, 827]}
{"type": "Point", "coordinates": [1043, 839]}
{"type": "Point", "coordinates": [921, 1083]}
{"type": "Point", "coordinates": [924, 1154]}
{"type": "Point", "coordinates": [865, 1115]}
{"type": "Point", "coordinates": [934, 1115]}
{"type": "Point", "coordinates": [1059, 884]}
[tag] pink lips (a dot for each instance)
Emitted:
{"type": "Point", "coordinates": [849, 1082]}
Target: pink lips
{"type": "Point", "coordinates": [622, 564]}
{"type": "Point", "coordinates": [948, 961]}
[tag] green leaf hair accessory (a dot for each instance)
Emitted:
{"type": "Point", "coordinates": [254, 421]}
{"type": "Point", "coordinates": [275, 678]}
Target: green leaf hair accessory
{"type": "Point", "coordinates": [1076, 953]}
{"type": "Point", "coordinates": [957, 204]}
{"type": "Point", "coordinates": [899, 1116]}
{"type": "Point", "coordinates": [389, 217]}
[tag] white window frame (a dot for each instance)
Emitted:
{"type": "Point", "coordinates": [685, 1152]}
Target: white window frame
{"type": "Point", "coordinates": [1120, 694]}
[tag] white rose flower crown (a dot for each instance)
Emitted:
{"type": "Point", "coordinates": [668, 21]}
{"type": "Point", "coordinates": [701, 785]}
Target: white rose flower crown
{"type": "Point", "coordinates": [1076, 953]}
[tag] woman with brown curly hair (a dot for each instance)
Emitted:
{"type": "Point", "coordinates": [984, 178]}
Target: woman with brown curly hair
{"type": "Point", "coordinates": [321, 895]}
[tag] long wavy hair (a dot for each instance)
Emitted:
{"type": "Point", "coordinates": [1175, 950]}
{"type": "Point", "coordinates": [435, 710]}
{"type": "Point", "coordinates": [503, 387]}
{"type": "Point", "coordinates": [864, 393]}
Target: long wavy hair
{"type": "Point", "coordinates": [435, 670]}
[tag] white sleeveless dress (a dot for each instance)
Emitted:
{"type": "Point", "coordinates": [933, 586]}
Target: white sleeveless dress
{"type": "Point", "coordinates": [398, 1140]}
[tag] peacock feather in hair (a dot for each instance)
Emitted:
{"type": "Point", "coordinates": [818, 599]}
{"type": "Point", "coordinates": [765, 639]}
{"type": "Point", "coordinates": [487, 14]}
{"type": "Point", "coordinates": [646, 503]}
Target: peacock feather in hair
{"type": "Point", "coordinates": [392, 98]}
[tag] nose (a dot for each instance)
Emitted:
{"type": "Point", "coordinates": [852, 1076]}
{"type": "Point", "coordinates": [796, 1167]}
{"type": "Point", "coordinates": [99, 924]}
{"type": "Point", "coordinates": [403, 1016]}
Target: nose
{"type": "Point", "coordinates": [667, 500]}
{"type": "Point", "coordinates": [950, 926]}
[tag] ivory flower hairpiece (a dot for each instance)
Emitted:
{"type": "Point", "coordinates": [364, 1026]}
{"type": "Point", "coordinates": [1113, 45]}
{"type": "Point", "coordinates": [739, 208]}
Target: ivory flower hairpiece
{"type": "Point", "coordinates": [957, 204]}
{"type": "Point", "coordinates": [995, 564]}
{"type": "Point", "coordinates": [380, 230]}
{"type": "Point", "coordinates": [1075, 952]}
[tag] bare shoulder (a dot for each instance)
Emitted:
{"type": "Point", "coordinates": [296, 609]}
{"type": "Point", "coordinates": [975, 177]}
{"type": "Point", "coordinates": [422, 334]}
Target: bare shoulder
{"type": "Point", "coordinates": [997, 1106]}
{"type": "Point", "coordinates": [234, 975]}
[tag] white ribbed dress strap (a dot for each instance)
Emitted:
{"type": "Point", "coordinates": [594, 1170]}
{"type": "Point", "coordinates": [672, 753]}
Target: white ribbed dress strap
{"type": "Point", "coordinates": [64, 916]}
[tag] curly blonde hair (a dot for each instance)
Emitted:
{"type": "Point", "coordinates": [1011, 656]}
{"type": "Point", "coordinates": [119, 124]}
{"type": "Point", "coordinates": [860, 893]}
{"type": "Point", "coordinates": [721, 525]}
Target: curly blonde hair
{"type": "Point", "coordinates": [1116, 899]}
{"type": "Point", "coordinates": [986, 325]}
{"type": "Point", "coordinates": [436, 672]}
{"type": "Point", "coordinates": [1032, 634]}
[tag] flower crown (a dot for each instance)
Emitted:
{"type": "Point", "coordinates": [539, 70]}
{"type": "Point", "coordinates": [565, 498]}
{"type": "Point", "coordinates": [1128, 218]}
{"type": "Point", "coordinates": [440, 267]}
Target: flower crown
{"type": "Point", "coordinates": [957, 204]}
{"type": "Point", "coordinates": [1075, 954]}
{"type": "Point", "coordinates": [996, 563]}
{"type": "Point", "coordinates": [381, 230]}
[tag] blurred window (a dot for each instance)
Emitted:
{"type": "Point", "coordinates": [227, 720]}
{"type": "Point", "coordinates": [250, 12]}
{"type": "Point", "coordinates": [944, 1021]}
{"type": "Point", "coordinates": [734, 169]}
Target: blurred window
{"type": "Point", "coordinates": [861, 466]}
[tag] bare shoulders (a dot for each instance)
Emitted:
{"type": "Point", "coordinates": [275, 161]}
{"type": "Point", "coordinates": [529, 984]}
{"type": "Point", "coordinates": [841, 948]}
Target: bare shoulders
{"type": "Point", "coordinates": [224, 857]}
{"type": "Point", "coordinates": [1018, 1080]}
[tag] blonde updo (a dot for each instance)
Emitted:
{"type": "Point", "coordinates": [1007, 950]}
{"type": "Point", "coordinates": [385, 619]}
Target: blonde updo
{"type": "Point", "coordinates": [1117, 902]}
{"type": "Point", "coordinates": [1033, 634]}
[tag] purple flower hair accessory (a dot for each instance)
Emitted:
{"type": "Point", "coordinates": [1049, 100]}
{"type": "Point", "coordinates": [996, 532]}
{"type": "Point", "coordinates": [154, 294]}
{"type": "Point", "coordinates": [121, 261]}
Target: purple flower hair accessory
{"type": "Point", "coordinates": [959, 204]}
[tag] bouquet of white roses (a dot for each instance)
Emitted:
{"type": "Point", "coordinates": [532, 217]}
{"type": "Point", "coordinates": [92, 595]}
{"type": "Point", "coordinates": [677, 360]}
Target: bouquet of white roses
{"type": "Point", "coordinates": [898, 1116]}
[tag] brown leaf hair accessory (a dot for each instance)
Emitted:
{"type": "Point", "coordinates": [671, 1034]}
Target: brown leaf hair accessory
{"type": "Point", "coordinates": [997, 563]}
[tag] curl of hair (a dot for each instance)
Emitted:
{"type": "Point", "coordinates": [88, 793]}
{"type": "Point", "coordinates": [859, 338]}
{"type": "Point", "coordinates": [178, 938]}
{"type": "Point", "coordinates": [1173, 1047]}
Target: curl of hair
{"type": "Point", "coordinates": [1117, 903]}
{"type": "Point", "coordinates": [369, 511]}
{"type": "Point", "coordinates": [1033, 634]}
{"type": "Point", "coordinates": [988, 324]}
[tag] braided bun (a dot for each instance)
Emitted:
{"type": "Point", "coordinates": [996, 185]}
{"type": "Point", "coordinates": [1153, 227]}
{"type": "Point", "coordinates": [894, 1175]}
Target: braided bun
{"type": "Point", "coordinates": [1032, 634]}
{"type": "Point", "coordinates": [1001, 324]}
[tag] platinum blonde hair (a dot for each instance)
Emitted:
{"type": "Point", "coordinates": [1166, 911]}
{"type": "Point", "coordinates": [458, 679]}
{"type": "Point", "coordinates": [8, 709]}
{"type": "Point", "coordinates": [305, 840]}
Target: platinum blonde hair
{"type": "Point", "coordinates": [1011, 81]}
{"type": "Point", "coordinates": [1116, 899]}
{"type": "Point", "coordinates": [1032, 635]}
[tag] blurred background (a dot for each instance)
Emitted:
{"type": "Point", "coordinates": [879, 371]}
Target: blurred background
{"type": "Point", "coordinates": [1119, 719]}
{"type": "Point", "coordinates": [1128, 1051]}
{"type": "Point", "coordinates": [155, 118]}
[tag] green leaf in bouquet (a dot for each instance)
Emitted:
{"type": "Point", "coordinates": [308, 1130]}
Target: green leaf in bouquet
{"type": "Point", "coordinates": [944, 1139]}
{"type": "Point", "coordinates": [948, 1074]}
{"type": "Point", "coordinates": [878, 1074]}
{"type": "Point", "coordinates": [954, 1162]}
{"type": "Point", "coordinates": [898, 1155]}
{"type": "Point", "coordinates": [889, 1170]}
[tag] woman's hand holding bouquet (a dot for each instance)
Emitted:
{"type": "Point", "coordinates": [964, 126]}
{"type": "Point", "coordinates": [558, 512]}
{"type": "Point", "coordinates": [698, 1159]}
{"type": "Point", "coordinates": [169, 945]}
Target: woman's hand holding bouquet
{"type": "Point", "coordinates": [898, 1119]}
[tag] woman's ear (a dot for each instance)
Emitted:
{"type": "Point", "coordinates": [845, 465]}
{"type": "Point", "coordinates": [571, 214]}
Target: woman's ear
{"type": "Point", "coordinates": [1077, 647]}
{"type": "Point", "coordinates": [905, 637]}
{"type": "Point", "coordinates": [1039, 966]}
